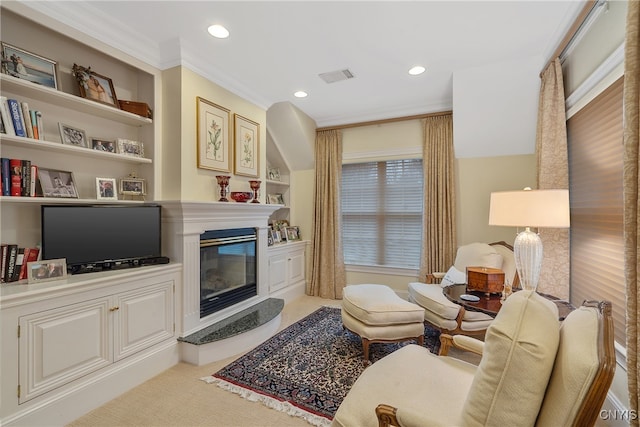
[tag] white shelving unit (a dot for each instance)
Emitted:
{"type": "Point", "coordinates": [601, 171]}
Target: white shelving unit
{"type": "Point", "coordinates": [277, 161]}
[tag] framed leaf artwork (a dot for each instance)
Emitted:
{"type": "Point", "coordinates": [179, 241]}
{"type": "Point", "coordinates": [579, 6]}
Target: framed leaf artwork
{"type": "Point", "coordinates": [246, 145]}
{"type": "Point", "coordinates": [213, 136]}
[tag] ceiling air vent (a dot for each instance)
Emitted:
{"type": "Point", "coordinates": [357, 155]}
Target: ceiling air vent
{"type": "Point", "coordinates": [336, 76]}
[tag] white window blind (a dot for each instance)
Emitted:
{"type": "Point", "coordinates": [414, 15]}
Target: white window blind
{"type": "Point", "coordinates": [382, 213]}
{"type": "Point", "coordinates": [595, 184]}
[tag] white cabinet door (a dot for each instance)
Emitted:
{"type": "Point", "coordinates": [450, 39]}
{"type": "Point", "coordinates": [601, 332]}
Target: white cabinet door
{"type": "Point", "coordinates": [295, 264]}
{"type": "Point", "coordinates": [61, 345]}
{"type": "Point", "coordinates": [277, 271]}
{"type": "Point", "coordinates": [142, 318]}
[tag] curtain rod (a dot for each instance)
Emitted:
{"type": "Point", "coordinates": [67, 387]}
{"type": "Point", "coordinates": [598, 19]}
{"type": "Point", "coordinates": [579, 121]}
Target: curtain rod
{"type": "Point", "coordinates": [378, 122]}
{"type": "Point", "coordinates": [571, 33]}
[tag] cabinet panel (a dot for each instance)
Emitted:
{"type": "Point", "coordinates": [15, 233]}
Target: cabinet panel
{"type": "Point", "coordinates": [61, 345]}
{"type": "Point", "coordinates": [277, 271]}
{"type": "Point", "coordinates": [143, 318]}
{"type": "Point", "coordinates": [296, 266]}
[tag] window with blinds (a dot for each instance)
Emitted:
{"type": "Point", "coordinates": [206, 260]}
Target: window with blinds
{"type": "Point", "coordinates": [382, 213]}
{"type": "Point", "coordinates": [595, 183]}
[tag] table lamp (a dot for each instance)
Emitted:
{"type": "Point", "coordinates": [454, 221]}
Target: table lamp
{"type": "Point", "coordinates": [529, 208]}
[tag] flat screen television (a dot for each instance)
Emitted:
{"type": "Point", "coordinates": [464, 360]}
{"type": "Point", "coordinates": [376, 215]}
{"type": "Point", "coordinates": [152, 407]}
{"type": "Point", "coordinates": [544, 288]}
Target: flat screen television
{"type": "Point", "coordinates": [95, 237]}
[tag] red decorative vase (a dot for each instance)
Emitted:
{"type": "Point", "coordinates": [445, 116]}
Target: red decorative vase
{"type": "Point", "coordinates": [255, 186]}
{"type": "Point", "coordinates": [223, 182]}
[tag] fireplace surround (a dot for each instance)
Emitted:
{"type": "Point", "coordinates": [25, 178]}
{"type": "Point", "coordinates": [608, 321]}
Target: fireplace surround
{"type": "Point", "coordinates": [183, 224]}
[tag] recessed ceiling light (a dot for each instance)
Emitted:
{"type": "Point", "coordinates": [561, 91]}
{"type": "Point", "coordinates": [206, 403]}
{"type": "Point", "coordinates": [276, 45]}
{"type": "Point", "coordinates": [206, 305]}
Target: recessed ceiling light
{"type": "Point", "coordinates": [418, 69]}
{"type": "Point", "coordinates": [218, 31]}
{"type": "Point", "coordinates": [300, 94]}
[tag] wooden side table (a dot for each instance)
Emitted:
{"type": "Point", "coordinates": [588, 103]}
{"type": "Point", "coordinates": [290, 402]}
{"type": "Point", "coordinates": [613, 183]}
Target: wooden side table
{"type": "Point", "coordinates": [490, 304]}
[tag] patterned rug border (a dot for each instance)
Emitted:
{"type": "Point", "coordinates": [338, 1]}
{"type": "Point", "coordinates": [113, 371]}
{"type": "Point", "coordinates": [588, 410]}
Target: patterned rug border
{"type": "Point", "coordinates": [286, 336]}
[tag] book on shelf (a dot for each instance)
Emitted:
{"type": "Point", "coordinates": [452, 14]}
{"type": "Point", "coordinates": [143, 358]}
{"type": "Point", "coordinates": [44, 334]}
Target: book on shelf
{"type": "Point", "coordinates": [34, 181]}
{"type": "Point", "coordinates": [25, 184]}
{"type": "Point", "coordinates": [6, 176]}
{"type": "Point", "coordinates": [6, 118]}
{"type": "Point", "coordinates": [16, 177]}
{"type": "Point", "coordinates": [26, 116]}
{"type": "Point", "coordinates": [40, 125]}
{"type": "Point", "coordinates": [10, 263]}
{"type": "Point", "coordinates": [34, 123]}
{"type": "Point", "coordinates": [14, 261]}
{"type": "Point", "coordinates": [29, 255]}
{"type": "Point", "coordinates": [15, 110]}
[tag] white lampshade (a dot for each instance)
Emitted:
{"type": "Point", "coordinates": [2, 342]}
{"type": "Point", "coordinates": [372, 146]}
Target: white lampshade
{"type": "Point", "coordinates": [529, 208]}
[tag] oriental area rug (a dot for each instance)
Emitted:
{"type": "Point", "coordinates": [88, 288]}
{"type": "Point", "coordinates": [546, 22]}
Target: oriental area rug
{"type": "Point", "coordinates": [307, 369]}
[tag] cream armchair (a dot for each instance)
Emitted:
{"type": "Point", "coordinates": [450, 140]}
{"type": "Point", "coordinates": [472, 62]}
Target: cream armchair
{"type": "Point", "coordinates": [532, 372]}
{"type": "Point", "coordinates": [448, 316]}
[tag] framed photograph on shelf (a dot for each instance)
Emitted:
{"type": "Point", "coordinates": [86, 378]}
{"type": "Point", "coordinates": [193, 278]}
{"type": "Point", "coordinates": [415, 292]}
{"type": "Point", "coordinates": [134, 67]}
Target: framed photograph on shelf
{"type": "Point", "coordinates": [94, 86]}
{"type": "Point", "coordinates": [293, 233]}
{"type": "Point", "coordinates": [57, 183]}
{"type": "Point", "coordinates": [25, 65]}
{"type": "Point", "coordinates": [130, 148]}
{"type": "Point", "coordinates": [103, 145]}
{"type": "Point", "coordinates": [275, 236]}
{"type": "Point", "coordinates": [72, 136]}
{"type": "Point", "coordinates": [275, 199]}
{"type": "Point", "coordinates": [133, 186]}
{"type": "Point", "coordinates": [246, 143]}
{"type": "Point", "coordinates": [214, 134]}
{"type": "Point", "coordinates": [273, 174]}
{"type": "Point", "coordinates": [106, 189]}
{"type": "Point", "coordinates": [46, 270]}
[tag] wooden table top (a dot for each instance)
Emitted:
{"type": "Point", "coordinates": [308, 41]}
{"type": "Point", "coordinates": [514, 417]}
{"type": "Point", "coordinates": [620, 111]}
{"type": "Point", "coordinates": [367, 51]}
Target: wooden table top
{"type": "Point", "coordinates": [490, 304]}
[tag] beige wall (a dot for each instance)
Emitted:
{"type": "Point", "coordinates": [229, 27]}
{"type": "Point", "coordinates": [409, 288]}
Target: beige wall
{"type": "Point", "coordinates": [182, 178]}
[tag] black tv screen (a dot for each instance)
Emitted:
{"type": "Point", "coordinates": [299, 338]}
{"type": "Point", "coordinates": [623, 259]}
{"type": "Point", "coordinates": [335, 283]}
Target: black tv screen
{"type": "Point", "coordinates": [88, 234]}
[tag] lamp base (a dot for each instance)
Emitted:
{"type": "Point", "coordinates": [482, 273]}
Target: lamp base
{"type": "Point", "coordinates": [527, 251]}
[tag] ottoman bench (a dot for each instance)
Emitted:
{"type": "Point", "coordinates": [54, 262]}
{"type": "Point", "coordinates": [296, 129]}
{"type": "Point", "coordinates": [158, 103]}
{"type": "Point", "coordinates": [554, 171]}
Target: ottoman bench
{"type": "Point", "coordinates": [377, 314]}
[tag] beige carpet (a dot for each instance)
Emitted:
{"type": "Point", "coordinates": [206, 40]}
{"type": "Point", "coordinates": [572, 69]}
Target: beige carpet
{"type": "Point", "coordinates": [177, 397]}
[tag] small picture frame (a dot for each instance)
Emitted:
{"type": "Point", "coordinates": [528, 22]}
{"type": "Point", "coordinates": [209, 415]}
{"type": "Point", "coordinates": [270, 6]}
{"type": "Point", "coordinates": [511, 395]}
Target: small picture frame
{"type": "Point", "coordinates": [106, 189]}
{"type": "Point", "coordinates": [273, 174]}
{"type": "Point", "coordinates": [94, 86]}
{"type": "Point", "coordinates": [105, 145]}
{"type": "Point", "coordinates": [46, 270]}
{"type": "Point", "coordinates": [275, 236]}
{"type": "Point", "coordinates": [275, 199]}
{"type": "Point", "coordinates": [57, 183]}
{"type": "Point", "coordinates": [28, 66]}
{"type": "Point", "coordinates": [133, 186]}
{"type": "Point", "coordinates": [72, 136]}
{"type": "Point", "coordinates": [130, 148]}
{"type": "Point", "coordinates": [270, 241]}
{"type": "Point", "coordinates": [246, 144]}
{"type": "Point", "coordinates": [293, 233]}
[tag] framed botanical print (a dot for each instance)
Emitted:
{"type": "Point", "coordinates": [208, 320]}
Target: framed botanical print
{"type": "Point", "coordinates": [213, 136]}
{"type": "Point", "coordinates": [246, 143]}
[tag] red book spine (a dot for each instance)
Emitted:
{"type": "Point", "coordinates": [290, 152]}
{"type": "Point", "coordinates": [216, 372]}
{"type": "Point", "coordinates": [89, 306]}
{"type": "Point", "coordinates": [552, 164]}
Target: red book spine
{"type": "Point", "coordinates": [30, 255]}
{"type": "Point", "coordinates": [16, 177]}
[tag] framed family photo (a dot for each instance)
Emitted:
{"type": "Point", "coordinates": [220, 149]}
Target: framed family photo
{"type": "Point", "coordinates": [105, 145]}
{"type": "Point", "coordinates": [130, 148]}
{"type": "Point", "coordinates": [133, 186]}
{"type": "Point", "coordinates": [214, 134]}
{"type": "Point", "coordinates": [25, 65]}
{"type": "Point", "coordinates": [106, 189]}
{"type": "Point", "coordinates": [57, 183]}
{"type": "Point", "coordinates": [94, 86]}
{"type": "Point", "coordinates": [46, 270]}
{"type": "Point", "coordinates": [72, 136]}
{"type": "Point", "coordinates": [246, 143]}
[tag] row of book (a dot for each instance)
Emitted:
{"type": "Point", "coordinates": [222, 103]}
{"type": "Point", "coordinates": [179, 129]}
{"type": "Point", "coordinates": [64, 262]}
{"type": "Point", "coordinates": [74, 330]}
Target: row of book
{"type": "Point", "coordinates": [17, 119]}
{"type": "Point", "coordinates": [19, 177]}
{"type": "Point", "coordinates": [13, 261]}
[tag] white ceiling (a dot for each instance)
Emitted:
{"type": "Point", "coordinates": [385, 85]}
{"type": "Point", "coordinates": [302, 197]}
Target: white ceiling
{"type": "Point", "coordinates": [277, 48]}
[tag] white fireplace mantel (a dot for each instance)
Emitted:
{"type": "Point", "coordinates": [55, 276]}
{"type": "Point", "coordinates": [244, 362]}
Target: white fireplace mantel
{"type": "Point", "coordinates": [182, 224]}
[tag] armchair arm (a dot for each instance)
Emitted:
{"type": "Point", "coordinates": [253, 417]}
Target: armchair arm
{"type": "Point", "coordinates": [405, 417]}
{"type": "Point", "coordinates": [435, 277]}
{"type": "Point", "coordinates": [461, 342]}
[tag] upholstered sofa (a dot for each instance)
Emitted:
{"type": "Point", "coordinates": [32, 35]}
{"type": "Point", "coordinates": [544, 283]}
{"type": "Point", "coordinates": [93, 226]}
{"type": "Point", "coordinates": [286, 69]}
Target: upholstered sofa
{"type": "Point", "coordinates": [533, 371]}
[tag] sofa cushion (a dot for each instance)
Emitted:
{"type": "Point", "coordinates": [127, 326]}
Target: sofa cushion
{"type": "Point", "coordinates": [410, 377]}
{"type": "Point", "coordinates": [519, 352]}
{"type": "Point", "coordinates": [477, 255]}
{"type": "Point", "coordinates": [432, 299]}
{"type": "Point", "coordinates": [379, 305]}
{"type": "Point", "coordinates": [574, 369]}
